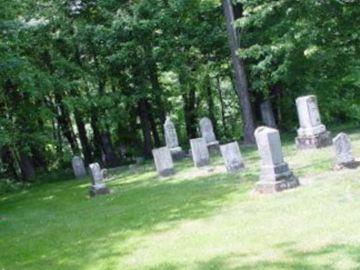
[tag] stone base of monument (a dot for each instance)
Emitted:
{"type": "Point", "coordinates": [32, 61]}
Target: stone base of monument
{"type": "Point", "coordinates": [167, 172]}
{"type": "Point", "coordinates": [99, 189]}
{"type": "Point", "coordinates": [276, 179]}
{"type": "Point", "coordinates": [234, 168]}
{"type": "Point", "coordinates": [348, 165]}
{"type": "Point", "coordinates": [177, 154]}
{"type": "Point", "coordinates": [214, 148]}
{"type": "Point", "coordinates": [314, 141]}
{"type": "Point", "coordinates": [202, 163]}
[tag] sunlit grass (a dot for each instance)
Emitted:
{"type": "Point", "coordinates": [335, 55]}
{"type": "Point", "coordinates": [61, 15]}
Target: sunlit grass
{"type": "Point", "coordinates": [193, 220]}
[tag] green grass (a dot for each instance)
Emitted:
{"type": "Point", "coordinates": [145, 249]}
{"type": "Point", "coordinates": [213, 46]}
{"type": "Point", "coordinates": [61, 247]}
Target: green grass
{"type": "Point", "coordinates": [194, 220]}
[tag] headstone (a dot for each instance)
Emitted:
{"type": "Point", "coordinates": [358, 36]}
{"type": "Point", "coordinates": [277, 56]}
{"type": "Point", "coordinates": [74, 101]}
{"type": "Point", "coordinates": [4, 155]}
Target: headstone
{"type": "Point", "coordinates": [207, 132]}
{"type": "Point", "coordinates": [343, 151]}
{"type": "Point", "coordinates": [312, 133]}
{"type": "Point", "coordinates": [232, 157]}
{"type": "Point", "coordinates": [200, 152]}
{"type": "Point", "coordinates": [78, 167]}
{"type": "Point", "coordinates": [267, 114]}
{"type": "Point", "coordinates": [98, 186]}
{"type": "Point", "coordinates": [275, 174]}
{"type": "Point", "coordinates": [163, 161]}
{"type": "Point", "coordinates": [172, 141]}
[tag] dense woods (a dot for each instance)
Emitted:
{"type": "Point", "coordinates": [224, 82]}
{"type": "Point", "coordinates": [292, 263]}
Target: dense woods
{"type": "Point", "coordinates": [97, 77]}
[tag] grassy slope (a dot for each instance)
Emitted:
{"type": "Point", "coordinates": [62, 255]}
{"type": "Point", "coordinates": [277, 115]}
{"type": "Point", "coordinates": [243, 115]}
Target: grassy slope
{"type": "Point", "coordinates": [195, 220]}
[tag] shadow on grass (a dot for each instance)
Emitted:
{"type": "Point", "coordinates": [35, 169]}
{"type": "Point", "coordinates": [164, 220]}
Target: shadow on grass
{"type": "Point", "coordinates": [61, 219]}
{"type": "Point", "coordinates": [298, 260]}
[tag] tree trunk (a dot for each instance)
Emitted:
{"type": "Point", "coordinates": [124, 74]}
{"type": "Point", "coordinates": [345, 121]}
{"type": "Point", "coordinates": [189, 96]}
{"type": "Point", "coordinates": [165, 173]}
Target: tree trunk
{"type": "Point", "coordinates": [110, 158]}
{"type": "Point", "coordinates": [145, 126]}
{"type": "Point", "coordinates": [85, 145]}
{"type": "Point", "coordinates": [38, 158]}
{"type": "Point", "coordinates": [8, 159]}
{"type": "Point", "coordinates": [97, 136]}
{"type": "Point", "coordinates": [154, 80]}
{"type": "Point", "coordinates": [241, 83]}
{"type": "Point", "coordinates": [26, 167]}
{"type": "Point", "coordinates": [210, 104]}
{"type": "Point", "coordinates": [154, 130]}
{"type": "Point", "coordinates": [223, 119]}
{"type": "Point", "coordinates": [189, 106]}
{"type": "Point", "coordinates": [65, 124]}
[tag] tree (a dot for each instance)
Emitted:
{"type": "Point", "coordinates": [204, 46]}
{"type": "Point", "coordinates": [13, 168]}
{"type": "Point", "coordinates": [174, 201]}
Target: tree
{"type": "Point", "coordinates": [241, 83]}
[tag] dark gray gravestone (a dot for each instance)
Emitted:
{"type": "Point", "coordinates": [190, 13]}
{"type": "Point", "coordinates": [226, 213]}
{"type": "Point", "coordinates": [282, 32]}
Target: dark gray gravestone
{"type": "Point", "coordinates": [343, 151]}
{"type": "Point", "coordinates": [78, 167]}
{"type": "Point", "coordinates": [267, 114]}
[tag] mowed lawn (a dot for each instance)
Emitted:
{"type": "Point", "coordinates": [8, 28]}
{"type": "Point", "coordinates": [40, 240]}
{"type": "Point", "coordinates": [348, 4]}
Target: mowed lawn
{"type": "Point", "coordinates": [195, 220]}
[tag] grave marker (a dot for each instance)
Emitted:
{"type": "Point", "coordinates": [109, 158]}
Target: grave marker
{"type": "Point", "coordinates": [163, 161]}
{"type": "Point", "coordinates": [312, 133]}
{"type": "Point", "coordinates": [232, 157]}
{"type": "Point", "coordinates": [275, 174]}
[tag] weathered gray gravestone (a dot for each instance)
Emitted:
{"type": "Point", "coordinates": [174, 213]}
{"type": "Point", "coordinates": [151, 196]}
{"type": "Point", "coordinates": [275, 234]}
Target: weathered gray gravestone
{"type": "Point", "coordinates": [172, 141]}
{"type": "Point", "coordinates": [98, 186]}
{"type": "Point", "coordinates": [207, 132]}
{"type": "Point", "coordinates": [267, 114]}
{"type": "Point", "coordinates": [78, 167]}
{"type": "Point", "coordinates": [312, 133]}
{"type": "Point", "coordinates": [232, 157]}
{"type": "Point", "coordinates": [200, 152]}
{"type": "Point", "coordinates": [275, 174]}
{"type": "Point", "coordinates": [163, 161]}
{"type": "Point", "coordinates": [343, 151]}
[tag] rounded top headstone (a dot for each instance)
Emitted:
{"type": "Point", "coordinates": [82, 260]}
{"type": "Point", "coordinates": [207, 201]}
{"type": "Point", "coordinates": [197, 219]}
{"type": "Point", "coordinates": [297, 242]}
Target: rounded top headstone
{"type": "Point", "coordinates": [340, 136]}
{"type": "Point", "coordinates": [94, 166]}
{"type": "Point", "coordinates": [305, 98]}
{"type": "Point", "coordinates": [205, 120]}
{"type": "Point", "coordinates": [263, 129]}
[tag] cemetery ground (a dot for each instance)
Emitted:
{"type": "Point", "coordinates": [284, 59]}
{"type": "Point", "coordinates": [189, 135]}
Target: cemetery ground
{"type": "Point", "coordinates": [193, 220]}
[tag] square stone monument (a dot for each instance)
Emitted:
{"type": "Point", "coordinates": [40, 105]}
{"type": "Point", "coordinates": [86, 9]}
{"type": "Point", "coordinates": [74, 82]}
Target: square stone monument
{"type": "Point", "coordinates": [172, 141]}
{"type": "Point", "coordinates": [78, 167]}
{"type": "Point", "coordinates": [207, 132]}
{"type": "Point", "coordinates": [275, 174]}
{"type": "Point", "coordinates": [232, 157]}
{"type": "Point", "coordinates": [267, 114]}
{"type": "Point", "coordinates": [98, 186]}
{"type": "Point", "coordinates": [312, 133]}
{"type": "Point", "coordinates": [163, 161]}
{"type": "Point", "coordinates": [343, 151]}
{"type": "Point", "coordinates": [200, 152]}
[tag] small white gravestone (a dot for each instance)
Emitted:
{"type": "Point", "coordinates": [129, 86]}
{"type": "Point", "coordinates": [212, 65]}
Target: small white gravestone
{"type": "Point", "coordinates": [78, 167]}
{"type": "Point", "coordinates": [98, 186]}
{"type": "Point", "coordinates": [232, 157]}
{"type": "Point", "coordinates": [267, 114]}
{"type": "Point", "coordinates": [343, 151]}
{"type": "Point", "coordinates": [207, 132]}
{"type": "Point", "coordinates": [312, 133]}
{"type": "Point", "coordinates": [172, 141]}
{"type": "Point", "coordinates": [163, 161]}
{"type": "Point", "coordinates": [275, 174]}
{"type": "Point", "coordinates": [200, 152]}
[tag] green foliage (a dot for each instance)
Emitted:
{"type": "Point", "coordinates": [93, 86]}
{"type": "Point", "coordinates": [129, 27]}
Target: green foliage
{"type": "Point", "coordinates": [67, 63]}
{"type": "Point", "coordinates": [304, 47]}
